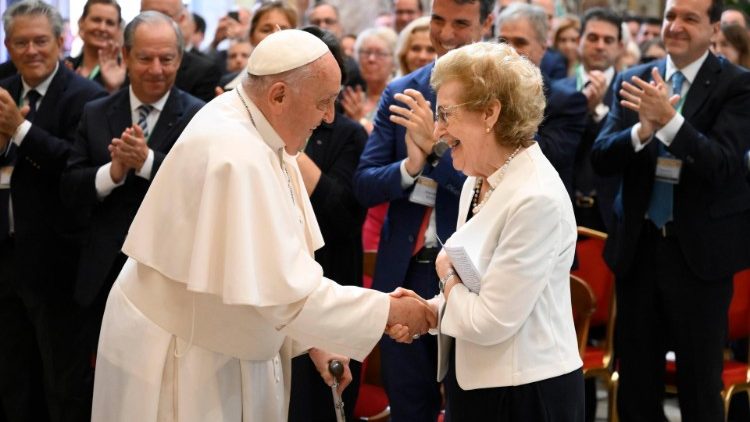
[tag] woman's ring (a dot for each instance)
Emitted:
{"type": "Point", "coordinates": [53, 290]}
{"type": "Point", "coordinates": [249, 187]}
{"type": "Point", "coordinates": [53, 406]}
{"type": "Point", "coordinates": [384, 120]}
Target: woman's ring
{"type": "Point", "coordinates": [415, 336]}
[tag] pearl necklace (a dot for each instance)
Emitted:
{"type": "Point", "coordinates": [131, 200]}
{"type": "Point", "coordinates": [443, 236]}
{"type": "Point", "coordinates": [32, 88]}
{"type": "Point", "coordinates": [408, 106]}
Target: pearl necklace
{"type": "Point", "coordinates": [475, 204]}
{"type": "Point", "coordinates": [281, 159]}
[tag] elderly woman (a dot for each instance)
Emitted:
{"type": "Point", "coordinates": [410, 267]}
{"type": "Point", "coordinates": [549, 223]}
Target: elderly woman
{"type": "Point", "coordinates": [374, 52]}
{"type": "Point", "coordinates": [507, 340]}
{"type": "Point", "coordinates": [414, 48]}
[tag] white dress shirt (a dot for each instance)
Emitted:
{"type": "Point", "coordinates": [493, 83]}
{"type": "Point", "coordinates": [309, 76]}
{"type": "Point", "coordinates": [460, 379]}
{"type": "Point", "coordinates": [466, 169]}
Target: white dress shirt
{"type": "Point", "coordinates": [103, 182]}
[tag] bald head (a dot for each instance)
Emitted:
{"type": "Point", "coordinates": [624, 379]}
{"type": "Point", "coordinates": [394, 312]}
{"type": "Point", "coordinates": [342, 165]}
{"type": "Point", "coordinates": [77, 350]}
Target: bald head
{"type": "Point", "coordinates": [172, 8]}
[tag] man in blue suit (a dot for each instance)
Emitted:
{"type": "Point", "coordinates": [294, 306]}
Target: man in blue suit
{"type": "Point", "coordinates": [121, 142]}
{"type": "Point", "coordinates": [398, 166]}
{"type": "Point", "coordinates": [525, 28]}
{"type": "Point", "coordinates": [40, 107]}
{"type": "Point", "coordinates": [675, 134]}
{"type": "Point", "coordinates": [599, 48]}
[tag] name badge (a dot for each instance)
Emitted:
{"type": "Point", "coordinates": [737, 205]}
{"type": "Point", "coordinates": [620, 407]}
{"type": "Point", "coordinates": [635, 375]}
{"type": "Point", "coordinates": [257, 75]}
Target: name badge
{"type": "Point", "coordinates": [5, 173]}
{"type": "Point", "coordinates": [668, 170]}
{"type": "Point", "coordinates": [424, 192]}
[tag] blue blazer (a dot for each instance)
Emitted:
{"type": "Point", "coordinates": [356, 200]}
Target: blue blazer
{"type": "Point", "coordinates": [110, 218]}
{"type": "Point", "coordinates": [562, 127]}
{"type": "Point", "coordinates": [47, 232]}
{"type": "Point", "coordinates": [712, 201]}
{"type": "Point", "coordinates": [378, 179]}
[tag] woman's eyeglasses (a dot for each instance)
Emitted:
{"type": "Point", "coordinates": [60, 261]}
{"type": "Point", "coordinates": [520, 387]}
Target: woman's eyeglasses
{"type": "Point", "coordinates": [443, 112]}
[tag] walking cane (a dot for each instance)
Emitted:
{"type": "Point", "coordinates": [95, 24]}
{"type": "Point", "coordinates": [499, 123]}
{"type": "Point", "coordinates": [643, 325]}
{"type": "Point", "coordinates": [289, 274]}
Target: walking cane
{"type": "Point", "coordinates": [337, 370]}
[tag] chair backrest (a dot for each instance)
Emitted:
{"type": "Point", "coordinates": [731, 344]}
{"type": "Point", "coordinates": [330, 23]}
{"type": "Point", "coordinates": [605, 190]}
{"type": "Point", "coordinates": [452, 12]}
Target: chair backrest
{"type": "Point", "coordinates": [593, 269]}
{"type": "Point", "coordinates": [739, 307]}
{"type": "Point", "coordinates": [368, 268]}
{"type": "Point", "coordinates": [584, 303]}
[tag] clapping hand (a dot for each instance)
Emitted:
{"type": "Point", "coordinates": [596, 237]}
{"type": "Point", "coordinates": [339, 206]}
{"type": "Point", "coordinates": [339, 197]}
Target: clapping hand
{"type": "Point", "coordinates": [411, 316]}
{"type": "Point", "coordinates": [417, 117]}
{"type": "Point", "coordinates": [113, 69]}
{"type": "Point", "coordinates": [651, 101]}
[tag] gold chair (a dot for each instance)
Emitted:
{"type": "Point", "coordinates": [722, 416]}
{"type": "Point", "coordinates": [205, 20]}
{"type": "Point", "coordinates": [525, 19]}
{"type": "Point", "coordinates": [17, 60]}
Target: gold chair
{"type": "Point", "coordinates": [598, 354]}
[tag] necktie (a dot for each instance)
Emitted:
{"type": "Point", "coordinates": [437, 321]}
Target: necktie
{"type": "Point", "coordinates": [33, 97]}
{"type": "Point", "coordinates": [143, 111]}
{"type": "Point", "coordinates": [660, 206]}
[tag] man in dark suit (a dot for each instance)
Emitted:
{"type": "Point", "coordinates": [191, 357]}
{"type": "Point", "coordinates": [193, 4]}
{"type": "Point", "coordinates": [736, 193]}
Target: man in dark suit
{"type": "Point", "coordinates": [525, 28]}
{"type": "Point", "coordinates": [675, 134]}
{"type": "Point", "coordinates": [599, 48]}
{"type": "Point", "coordinates": [397, 166]}
{"type": "Point", "coordinates": [39, 109]}
{"type": "Point", "coordinates": [120, 144]}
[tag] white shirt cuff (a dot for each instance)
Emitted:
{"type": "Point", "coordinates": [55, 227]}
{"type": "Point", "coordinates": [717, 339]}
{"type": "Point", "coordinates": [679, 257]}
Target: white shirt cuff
{"type": "Point", "coordinates": [145, 171]}
{"type": "Point", "coordinates": [103, 182]}
{"type": "Point", "coordinates": [635, 140]}
{"type": "Point", "coordinates": [406, 179]}
{"type": "Point", "coordinates": [667, 134]}
{"type": "Point", "coordinates": [21, 132]}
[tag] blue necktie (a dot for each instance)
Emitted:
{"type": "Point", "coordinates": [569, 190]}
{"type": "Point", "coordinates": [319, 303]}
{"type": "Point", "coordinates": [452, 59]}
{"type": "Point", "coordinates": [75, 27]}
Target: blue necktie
{"type": "Point", "coordinates": [660, 206]}
{"type": "Point", "coordinates": [143, 111]}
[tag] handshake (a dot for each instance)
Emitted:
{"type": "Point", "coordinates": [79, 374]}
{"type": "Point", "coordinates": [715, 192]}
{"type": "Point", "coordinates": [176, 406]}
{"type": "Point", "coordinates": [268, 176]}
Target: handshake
{"type": "Point", "coordinates": [410, 316]}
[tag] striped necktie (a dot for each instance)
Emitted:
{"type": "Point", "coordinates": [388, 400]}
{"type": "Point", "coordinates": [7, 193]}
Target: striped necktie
{"type": "Point", "coordinates": [143, 111]}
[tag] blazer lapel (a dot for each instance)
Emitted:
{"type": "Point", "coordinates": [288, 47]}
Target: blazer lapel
{"type": "Point", "coordinates": [119, 115]}
{"type": "Point", "coordinates": [172, 112]}
{"type": "Point", "coordinates": [47, 111]}
{"type": "Point", "coordinates": [699, 91]}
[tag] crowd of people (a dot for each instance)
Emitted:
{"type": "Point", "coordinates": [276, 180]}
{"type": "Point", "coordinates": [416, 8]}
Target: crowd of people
{"type": "Point", "coordinates": [183, 220]}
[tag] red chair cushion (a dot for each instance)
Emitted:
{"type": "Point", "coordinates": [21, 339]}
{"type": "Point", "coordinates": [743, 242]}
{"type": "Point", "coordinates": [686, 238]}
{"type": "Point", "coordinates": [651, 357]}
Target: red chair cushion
{"type": "Point", "coordinates": [593, 357]}
{"type": "Point", "coordinates": [371, 401]}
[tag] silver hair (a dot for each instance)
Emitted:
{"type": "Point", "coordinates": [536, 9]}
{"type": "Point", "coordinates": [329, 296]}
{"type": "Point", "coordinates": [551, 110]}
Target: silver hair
{"type": "Point", "coordinates": [387, 35]}
{"type": "Point", "coordinates": [535, 15]}
{"type": "Point", "coordinates": [33, 8]}
{"type": "Point", "coordinates": [152, 17]}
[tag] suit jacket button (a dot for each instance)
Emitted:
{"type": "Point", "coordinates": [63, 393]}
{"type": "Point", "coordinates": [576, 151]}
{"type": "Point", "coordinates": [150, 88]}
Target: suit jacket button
{"type": "Point", "coordinates": [411, 238]}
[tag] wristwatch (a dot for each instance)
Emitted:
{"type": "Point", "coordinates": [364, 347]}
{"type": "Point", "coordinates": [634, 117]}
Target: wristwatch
{"type": "Point", "coordinates": [444, 279]}
{"type": "Point", "coordinates": [438, 150]}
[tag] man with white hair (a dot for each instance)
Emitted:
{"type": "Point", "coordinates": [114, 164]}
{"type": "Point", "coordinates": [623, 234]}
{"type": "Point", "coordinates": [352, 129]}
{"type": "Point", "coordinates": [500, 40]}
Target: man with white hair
{"type": "Point", "coordinates": [221, 287]}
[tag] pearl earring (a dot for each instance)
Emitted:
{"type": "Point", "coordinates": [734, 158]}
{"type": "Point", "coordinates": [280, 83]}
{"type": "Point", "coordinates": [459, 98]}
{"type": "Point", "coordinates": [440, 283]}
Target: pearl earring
{"type": "Point", "coordinates": [487, 129]}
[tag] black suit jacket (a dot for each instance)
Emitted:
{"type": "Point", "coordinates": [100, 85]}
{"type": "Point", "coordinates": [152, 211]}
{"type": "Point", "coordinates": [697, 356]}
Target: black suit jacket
{"type": "Point", "coordinates": [198, 76]}
{"type": "Point", "coordinates": [562, 127]}
{"type": "Point", "coordinates": [103, 120]}
{"type": "Point", "coordinates": [47, 234]}
{"type": "Point", "coordinates": [585, 181]}
{"type": "Point", "coordinates": [712, 201]}
{"type": "Point", "coordinates": [336, 148]}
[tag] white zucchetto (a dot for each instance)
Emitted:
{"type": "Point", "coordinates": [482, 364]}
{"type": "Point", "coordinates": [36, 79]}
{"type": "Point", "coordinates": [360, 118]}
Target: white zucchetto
{"type": "Point", "coordinates": [283, 51]}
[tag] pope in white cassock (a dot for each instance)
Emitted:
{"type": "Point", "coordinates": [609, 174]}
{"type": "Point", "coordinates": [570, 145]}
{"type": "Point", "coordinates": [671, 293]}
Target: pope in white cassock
{"type": "Point", "coordinates": [221, 289]}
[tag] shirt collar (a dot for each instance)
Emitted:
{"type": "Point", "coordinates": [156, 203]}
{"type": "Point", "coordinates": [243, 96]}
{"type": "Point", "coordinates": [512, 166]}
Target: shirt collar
{"type": "Point", "coordinates": [690, 71]}
{"type": "Point", "coordinates": [135, 102]}
{"type": "Point", "coordinates": [267, 132]}
{"type": "Point", "coordinates": [42, 87]}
